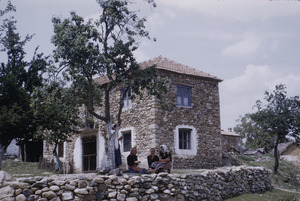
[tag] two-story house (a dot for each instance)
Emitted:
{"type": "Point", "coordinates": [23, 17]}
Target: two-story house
{"type": "Point", "coordinates": [187, 120]}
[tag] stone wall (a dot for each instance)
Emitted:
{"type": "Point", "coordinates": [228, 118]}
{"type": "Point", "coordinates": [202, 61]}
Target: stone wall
{"type": "Point", "coordinates": [203, 116]}
{"type": "Point", "coordinates": [154, 122]}
{"type": "Point", "coordinates": [214, 185]}
{"type": "Point", "coordinates": [230, 143]}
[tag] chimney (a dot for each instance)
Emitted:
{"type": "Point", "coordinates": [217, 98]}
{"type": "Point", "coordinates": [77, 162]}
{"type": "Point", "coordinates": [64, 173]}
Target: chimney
{"type": "Point", "coordinates": [230, 129]}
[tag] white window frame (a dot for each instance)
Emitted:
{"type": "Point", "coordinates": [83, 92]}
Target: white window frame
{"type": "Point", "coordinates": [133, 137]}
{"type": "Point", "coordinates": [194, 141]}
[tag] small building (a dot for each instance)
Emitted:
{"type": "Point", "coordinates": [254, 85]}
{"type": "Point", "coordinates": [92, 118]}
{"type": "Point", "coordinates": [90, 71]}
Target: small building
{"type": "Point", "coordinates": [230, 141]}
{"type": "Point", "coordinates": [186, 120]}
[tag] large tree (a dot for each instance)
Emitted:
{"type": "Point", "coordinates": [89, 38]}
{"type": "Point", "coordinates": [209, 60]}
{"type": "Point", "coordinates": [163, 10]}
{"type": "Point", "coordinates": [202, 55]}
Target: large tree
{"type": "Point", "coordinates": [279, 117]}
{"type": "Point", "coordinates": [56, 113]}
{"type": "Point", "coordinates": [18, 78]}
{"type": "Point", "coordinates": [252, 135]}
{"type": "Point", "coordinates": [104, 47]}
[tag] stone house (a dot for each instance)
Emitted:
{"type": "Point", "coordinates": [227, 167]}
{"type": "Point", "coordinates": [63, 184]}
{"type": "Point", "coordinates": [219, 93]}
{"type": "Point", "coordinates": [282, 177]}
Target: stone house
{"type": "Point", "coordinates": [230, 141]}
{"type": "Point", "coordinates": [186, 119]}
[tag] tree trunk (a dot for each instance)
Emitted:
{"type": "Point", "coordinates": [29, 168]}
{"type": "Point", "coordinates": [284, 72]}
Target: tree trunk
{"type": "Point", "coordinates": [276, 156]}
{"type": "Point", "coordinates": [111, 146]}
{"type": "Point", "coordinates": [2, 152]}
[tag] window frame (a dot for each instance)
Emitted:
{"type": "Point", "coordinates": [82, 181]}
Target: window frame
{"type": "Point", "coordinates": [181, 92]}
{"type": "Point", "coordinates": [126, 98]}
{"type": "Point", "coordinates": [128, 132]}
{"type": "Point", "coordinates": [194, 139]}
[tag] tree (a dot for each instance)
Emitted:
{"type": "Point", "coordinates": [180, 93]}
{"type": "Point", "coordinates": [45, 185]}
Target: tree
{"type": "Point", "coordinates": [56, 114]}
{"type": "Point", "coordinates": [252, 135]}
{"type": "Point", "coordinates": [278, 117]}
{"type": "Point", "coordinates": [104, 48]}
{"type": "Point", "coordinates": [18, 78]}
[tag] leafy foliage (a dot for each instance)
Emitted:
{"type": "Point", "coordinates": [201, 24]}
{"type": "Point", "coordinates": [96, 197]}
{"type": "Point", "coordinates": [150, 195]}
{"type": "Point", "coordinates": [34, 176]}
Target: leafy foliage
{"type": "Point", "coordinates": [274, 121]}
{"type": "Point", "coordinates": [56, 112]}
{"type": "Point", "coordinates": [18, 78]}
{"type": "Point", "coordinates": [252, 135]}
{"type": "Point", "coordinates": [89, 49]}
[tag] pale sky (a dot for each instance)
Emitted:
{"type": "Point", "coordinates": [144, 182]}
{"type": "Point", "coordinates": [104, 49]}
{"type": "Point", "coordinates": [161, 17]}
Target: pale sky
{"type": "Point", "coordinates": [251, 44]}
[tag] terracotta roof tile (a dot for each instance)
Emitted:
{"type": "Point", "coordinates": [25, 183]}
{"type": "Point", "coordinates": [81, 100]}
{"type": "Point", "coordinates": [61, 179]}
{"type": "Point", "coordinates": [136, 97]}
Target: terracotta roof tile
{"type": "Point", "coordinates": [169, 65]}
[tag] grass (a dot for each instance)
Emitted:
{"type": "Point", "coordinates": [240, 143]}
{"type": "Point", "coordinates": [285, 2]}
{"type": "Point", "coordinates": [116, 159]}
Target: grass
{"type": "Point", "coordinates": [19, 168]}
{"type": "Point", "coordinates": [274, 195]}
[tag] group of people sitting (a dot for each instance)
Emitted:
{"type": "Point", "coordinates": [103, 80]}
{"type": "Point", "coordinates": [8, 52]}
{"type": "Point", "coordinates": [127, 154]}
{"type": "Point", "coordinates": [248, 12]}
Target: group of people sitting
{"type": "Point", "coordinates": [161, 163]}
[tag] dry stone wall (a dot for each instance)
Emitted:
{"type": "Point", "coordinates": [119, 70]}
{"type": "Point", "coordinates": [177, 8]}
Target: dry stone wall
{"type": "Point", "coordinates": [210, 185]}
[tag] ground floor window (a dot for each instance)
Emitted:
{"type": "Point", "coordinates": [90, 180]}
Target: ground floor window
{"type": "Point", "coordinates": [89, 153]}
{"type": "Point", "coordinates": [126, 140]}
{"type": "Point", "coordinates": [185, 140]}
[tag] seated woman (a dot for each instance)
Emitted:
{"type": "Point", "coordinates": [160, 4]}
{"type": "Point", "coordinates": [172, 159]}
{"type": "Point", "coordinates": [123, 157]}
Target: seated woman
{"type": "Point", "coordinates": [132, 162]}
{"type": "Point", "coordinates": [152, 158]}
{"type": "Point", "coordinates": [165, 160]}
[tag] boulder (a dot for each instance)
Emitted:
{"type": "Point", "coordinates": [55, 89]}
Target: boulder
{"type": "Point", "coordinates": [4, 176]}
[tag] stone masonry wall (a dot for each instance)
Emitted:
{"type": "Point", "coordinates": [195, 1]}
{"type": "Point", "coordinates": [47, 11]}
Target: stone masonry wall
{"type": "Point", "coordinates": [210, 185]}
{"type": "Point", "coordinates": [154, 121]}
{"type": "Point", "coordinates": [203, 115]}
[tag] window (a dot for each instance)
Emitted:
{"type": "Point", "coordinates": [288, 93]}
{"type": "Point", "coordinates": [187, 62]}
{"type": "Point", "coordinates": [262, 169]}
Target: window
{"type": "Point", "coordinates": [185, 141]}
{"type": "Point", "coordinates": [185, 138]}
{"type": "Point", "coordinates": [183, 95]}
{"type": "Point", "coordinates": [126, 97]}
{"type": "Point", "coordinates": [126, 141]}
{"type": "Point", "coordinates": [60, 148]}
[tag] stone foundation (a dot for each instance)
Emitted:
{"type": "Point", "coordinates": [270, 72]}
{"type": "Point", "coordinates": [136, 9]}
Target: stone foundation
{"type": "Point", "coordinates": [217, 184]}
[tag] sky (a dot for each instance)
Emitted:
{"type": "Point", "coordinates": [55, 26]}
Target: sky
{"type": "Point", "coordinates": [252, 45]}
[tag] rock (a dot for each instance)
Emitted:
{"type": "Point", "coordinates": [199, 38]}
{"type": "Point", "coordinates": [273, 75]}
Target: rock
{"type": "Point", "coordinates": [81, 191]}
{"type": "Point", "coordinates": [6, 192]}
{"type": "Point", "coordinates": [82, 184]}
{"type": "Point", "coordinates": [49, 194]}
{"type": "Point", "coordinates": [21, 197]}
{"type": "Point", "coordinates": [68, 195]}
{"type": "Point", "coordinates": [121, 197]}
{"type": "Point", "coordinates": [54, 188]}
{"type": "Point", "coordinates": [4, 176]}
{"type": "Point", "coordinates": [99, 180]}
{"type": "Point", "coordinates": [131, 199]}
{"type": "Point", "coordinates": [55, 199]}
{"type": "Point", "coordinates": [112, 194]}
{"type": "Point", "coordinates": [69, 187]}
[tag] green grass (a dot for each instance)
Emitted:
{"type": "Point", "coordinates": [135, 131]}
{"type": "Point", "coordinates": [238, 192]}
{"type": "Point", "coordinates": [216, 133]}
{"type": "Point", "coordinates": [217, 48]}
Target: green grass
{"type": "Point", "coordinates": [19, 168]}
{"type": "Point", "coordinates": [274, 195]}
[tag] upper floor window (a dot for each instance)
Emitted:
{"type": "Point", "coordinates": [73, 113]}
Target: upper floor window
{"type": "Point", "coordinates": [185, 138]}
{"type": "Point", "coordinates": [183, 95]}
{"type": "Point", "coordinates": [126, 95]}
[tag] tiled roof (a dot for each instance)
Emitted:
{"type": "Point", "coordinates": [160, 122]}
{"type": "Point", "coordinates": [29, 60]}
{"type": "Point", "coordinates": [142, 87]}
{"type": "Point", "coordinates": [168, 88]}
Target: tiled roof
{"type": "Point", "coordinates": [169, 65]}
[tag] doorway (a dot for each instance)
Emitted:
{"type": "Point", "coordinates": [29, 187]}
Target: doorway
{"type": "Point", "coordinates": [89, 154]}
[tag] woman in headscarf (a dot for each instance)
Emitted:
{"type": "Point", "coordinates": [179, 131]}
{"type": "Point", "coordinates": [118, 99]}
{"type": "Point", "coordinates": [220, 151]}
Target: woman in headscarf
{"type": "Point", "coordinates": [165, 160]}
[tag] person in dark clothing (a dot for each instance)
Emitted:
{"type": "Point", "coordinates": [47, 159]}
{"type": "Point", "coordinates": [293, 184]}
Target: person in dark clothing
{"type": "Point", "coordinates": [152, 157]}
{"type": "Point", "coordinates": [133, 162]}
{"type": "Point", "coordinates": [165, 160]}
